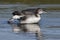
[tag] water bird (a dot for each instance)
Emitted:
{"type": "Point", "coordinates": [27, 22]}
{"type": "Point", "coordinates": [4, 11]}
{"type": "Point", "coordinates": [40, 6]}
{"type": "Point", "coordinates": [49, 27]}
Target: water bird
{"type": "Point", "coordinates": [27, 17]}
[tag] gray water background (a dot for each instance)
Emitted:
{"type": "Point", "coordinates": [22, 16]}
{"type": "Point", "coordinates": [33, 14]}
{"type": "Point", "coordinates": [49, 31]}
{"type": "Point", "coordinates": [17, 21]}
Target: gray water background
{"type": "Point", "coordinates": [49, 24]}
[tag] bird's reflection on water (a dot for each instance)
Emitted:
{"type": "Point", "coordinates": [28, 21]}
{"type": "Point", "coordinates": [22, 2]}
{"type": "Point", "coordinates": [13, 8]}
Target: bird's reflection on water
{"type": "Point", "coordinates": [27, 28]}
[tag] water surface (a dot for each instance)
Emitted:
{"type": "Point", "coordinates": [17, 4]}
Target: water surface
{"type": "Point", "coordinates": [49, 24]}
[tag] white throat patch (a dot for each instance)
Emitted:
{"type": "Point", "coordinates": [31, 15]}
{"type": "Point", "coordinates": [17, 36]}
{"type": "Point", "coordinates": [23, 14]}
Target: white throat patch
{"type": "Point", "coordinates": [40, 12]}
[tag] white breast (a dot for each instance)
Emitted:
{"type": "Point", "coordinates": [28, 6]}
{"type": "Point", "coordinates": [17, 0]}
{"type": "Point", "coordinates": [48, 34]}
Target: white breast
{"type": "Point", "coordinates": [31, 19]}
